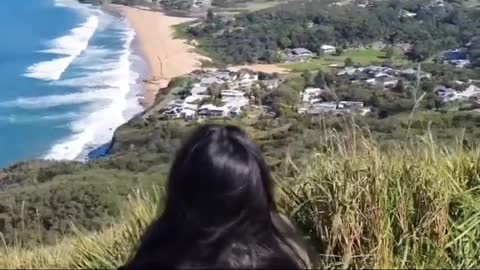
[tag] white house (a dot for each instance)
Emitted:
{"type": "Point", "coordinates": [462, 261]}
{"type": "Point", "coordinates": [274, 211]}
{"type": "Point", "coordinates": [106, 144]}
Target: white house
{"type": "Point", "coordinates": [310, 95]}
{"type": "Point", "coordinates": [406, 14]}
{"type": "Point", "coordinates": [247, 79]}
{"type": "Point", "coordinates": [206, 81]}
{"type": "Point", "coordinates": [232, 93]}
{"type": "Point", "coordinates": [446, 94]}
{"type": "Point", "coordinates": [188, 112]}
{"type": "Point", "coordinates": [350, 104]}
{"type": "Point", "coordinates": [322, 107]}
{"type": "Point", "coordinates": [194, 98]}
{"type": "Point", "coordinates": [471, 91]}
{"type": "Point", "coordinates": [210, 110]}
{"type": "Point", "coordinates": [350, 71]}
{"type": "Point", "coordinates": [328, 49]}
{"type": "Point", "coordinates": [198, 89]}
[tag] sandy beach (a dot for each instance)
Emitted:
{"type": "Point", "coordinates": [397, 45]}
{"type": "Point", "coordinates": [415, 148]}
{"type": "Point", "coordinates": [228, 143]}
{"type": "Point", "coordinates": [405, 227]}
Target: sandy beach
{"type": "Point", "coordinates": [166, 56]}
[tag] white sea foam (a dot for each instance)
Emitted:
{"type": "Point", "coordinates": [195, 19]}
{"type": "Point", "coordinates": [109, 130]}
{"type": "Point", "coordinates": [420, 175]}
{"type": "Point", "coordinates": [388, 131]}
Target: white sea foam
{"type": "Point", "coordinates": [112, 88]}
{"type": "Point", "coordinates": [44, 102]}
{"type": "Point", "coordinates": [27, 119]}
{"type": "Point", "coordinates": [62, 3]}
{"type": "Point", "coordinates": [69, 46]}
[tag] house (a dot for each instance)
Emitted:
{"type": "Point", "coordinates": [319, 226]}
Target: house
{"type": "Point", "coordinates": [210, 110]}
{"type": "Point", "coordinates": [311, 95]}
{"type": "Point", "coordinates": [247, 79]}
{"type": "Point", "coordinates": [320, 108]}
{"type": "Point", "coordinates": [301, 52]}
{"type": "Point", "coordinates": [232, 93]}
{"type": "Point", "coordinates": [411, 74]}
{"type": "Point", "coordinates": [456, 57]}
{"type": "Point", "coordinates": [460, 63]}
{"type": "Point", "coordinates": [297, 55]}
{"type": "Point", "coordinates": [364, 110]}
{"type": "Point", "coordinates": [207, 81]}
{"type": "Point", "coordinates": [350, 71]}
{"type": "Point", "coordinates": [389, 82]}
{"type": "Point", "coordinates": [188, 113]}
{"type": "Point", "coordinates": [197, 89]}
{"type": "Point", "coordinates": [438, 3]}
{"type": "Point", "coordinates": [385, 81]}
{"type": "Point", "coordinates": [328, 49]}
{"type": "Point", "coordinates": [471, 91]}
{"type": "Point", "coordinates": [270, 84]}
{"type": "Point", "coordinates": [406, 14]}
{"type": "Point", "coordinates": [455, 54]}
{"type": "Point", "coordinates": [381, 75]}
{"type": "Point", "coordinates": [350, 104]}
{"type": "Point", "coordinates": [446, 94]}
{"type": "Point", "coordinates": [194, 99]}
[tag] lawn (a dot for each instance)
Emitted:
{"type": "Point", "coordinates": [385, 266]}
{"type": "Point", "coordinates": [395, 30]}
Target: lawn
{"type": "Point", "coordinates": [359, 57]}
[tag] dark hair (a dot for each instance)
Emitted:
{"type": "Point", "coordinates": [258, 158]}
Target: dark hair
{"type": "Point", "coordinates": [219, 210]}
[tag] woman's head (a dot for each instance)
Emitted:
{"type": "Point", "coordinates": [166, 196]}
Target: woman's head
{"type": "Point", "coordinates": [219, 177]}
{"type": "Point", "coordinates": [219, 208]}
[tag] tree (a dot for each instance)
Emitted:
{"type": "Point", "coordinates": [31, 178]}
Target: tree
{"type": "Point", "coordinates": [323, 79]}
{"type": "Point", "coordinates": [399, 88]}
{"type": "Point", "coordinates": [259, 93]}
{"type": "Point", "coordinates": [339, 51]}
{"type": "Point", "coordinates": [308, 77]}
{"type": "Point", "coordinates": [427, 86]}
{"type": "Point", "coordinates": [285, 42]}
{"type": "Point", "coordinates": [327, 96]}
{"type": "Point", "coordinates": [215, 92]}
{"type": "Point", "coordinates": [210, 15]}
{"type": "Point", "coordinates": [348, 62]}
{"type": "Point", "coordinates": [418, 53]}
{"type": "Point", "coordinates": [429, 102]}
{"type": "Point", "coordinates": [389, 52]}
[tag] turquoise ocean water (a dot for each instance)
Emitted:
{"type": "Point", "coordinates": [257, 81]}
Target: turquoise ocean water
{"type": "Point", "coordinates": [68, 78]}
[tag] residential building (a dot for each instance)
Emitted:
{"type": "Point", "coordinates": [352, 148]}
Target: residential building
{"type": "Point", "coordinates": [320, 108]}
{"type": "Point", "coordinates": [471, 91]}
{"type": "Point", "coordinates": [446, 94]}
{"type": "Point", "coordinates": [312, 95]}
{"type": "Point", "coordinates": [328, 49]}
{"type": "Point", "coordinates": [456, 57]}
{"type": "Point", "coordinates": [210, 110]}
{"type": "Point", "coordinates": [350, 104]}
{"type": "Point", "coordinates": [406, 14]}
{"type": "Point", "coordinates": [207, 81]}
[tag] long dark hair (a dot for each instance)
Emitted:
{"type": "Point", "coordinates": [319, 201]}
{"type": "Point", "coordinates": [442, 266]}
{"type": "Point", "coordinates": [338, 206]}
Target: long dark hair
{"type": "Point", "coordinates": [219, 209]}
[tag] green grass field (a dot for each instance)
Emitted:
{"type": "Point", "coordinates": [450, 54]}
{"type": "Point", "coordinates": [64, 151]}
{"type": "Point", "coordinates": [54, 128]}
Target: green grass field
{"type": "Point", "coordinates": [359, 57]}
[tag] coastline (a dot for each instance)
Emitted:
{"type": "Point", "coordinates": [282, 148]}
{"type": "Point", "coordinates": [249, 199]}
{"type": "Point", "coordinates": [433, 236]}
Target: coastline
{"type": "Point", "coordinates": [166, 56]}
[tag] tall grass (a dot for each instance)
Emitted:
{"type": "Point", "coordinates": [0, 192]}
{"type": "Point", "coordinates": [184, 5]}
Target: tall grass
{"type": "Point", "coordinates": [112, 247]}
{"type": "Point", "coordinates": [415, 205]}
{"type": "Point", "coordinates": [107, 249]}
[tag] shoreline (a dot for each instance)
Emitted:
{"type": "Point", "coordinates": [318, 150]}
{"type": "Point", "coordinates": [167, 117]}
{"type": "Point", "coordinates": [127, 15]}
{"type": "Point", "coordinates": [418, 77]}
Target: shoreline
{"type": "Point", "coordinates": [166, 56]}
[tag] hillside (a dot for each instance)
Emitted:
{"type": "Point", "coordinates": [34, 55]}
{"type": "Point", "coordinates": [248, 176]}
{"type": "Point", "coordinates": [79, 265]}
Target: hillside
{"type": "Point", "coordinates": [40, 200]}
{"type": "Point", "coordinates": [357, 204]}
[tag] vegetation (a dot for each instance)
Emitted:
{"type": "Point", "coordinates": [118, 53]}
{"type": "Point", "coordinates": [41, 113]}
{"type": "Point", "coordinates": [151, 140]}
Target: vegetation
{"type": "Point", "coordinates": [177, 4]}
{"type": "Point", "coordinates": [39, 200]}
{"type": "Point", "coordinates": [357, 204]}
{"type": "Point", "coordinates": [357, 57]}
{"type": "Point", "coordinates": [258, 36]}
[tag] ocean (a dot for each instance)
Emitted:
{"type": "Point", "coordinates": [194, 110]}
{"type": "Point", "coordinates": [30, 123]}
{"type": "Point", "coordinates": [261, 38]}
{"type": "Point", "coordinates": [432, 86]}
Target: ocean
{"type": "Point", "coordinates": [69, 75]}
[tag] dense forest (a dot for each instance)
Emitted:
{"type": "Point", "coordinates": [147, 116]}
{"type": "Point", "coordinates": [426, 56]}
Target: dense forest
{"type": "Point", "coordinates": [257, 36]}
